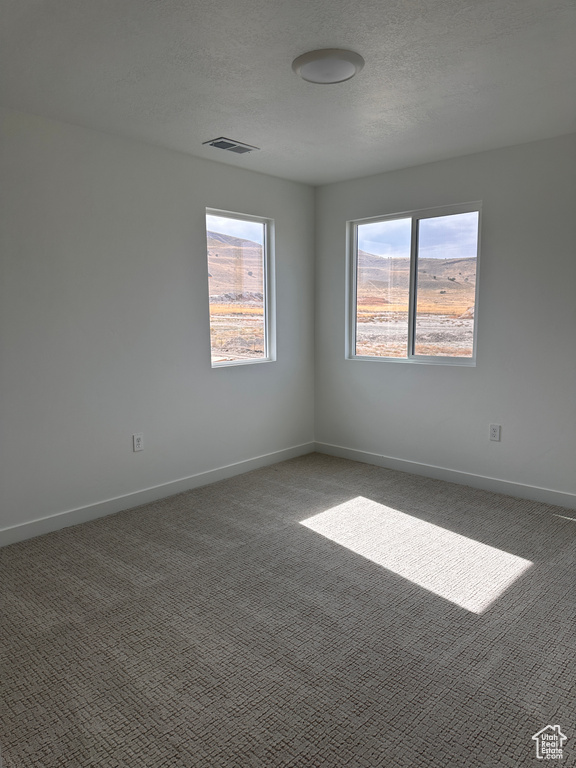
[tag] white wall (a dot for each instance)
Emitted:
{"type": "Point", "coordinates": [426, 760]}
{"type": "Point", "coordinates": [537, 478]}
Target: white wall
{"type": "Point", "coordinates": [525, 377]}
{"type": "Point", "coordinates": [104, 326]}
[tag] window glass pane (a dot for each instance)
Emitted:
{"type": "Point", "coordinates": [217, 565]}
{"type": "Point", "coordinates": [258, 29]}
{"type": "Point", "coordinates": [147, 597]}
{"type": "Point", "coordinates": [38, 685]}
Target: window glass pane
{"type": "Point", "coordinates": [446, 285]}
{"type": "Point", "coordinates": [237, 288]}
{"type": "Point", "coordinates": [383, 288]}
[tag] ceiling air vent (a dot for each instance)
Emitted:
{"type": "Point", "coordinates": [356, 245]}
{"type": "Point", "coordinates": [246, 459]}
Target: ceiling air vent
{"type": "Point", "coordinates": [231, 145]}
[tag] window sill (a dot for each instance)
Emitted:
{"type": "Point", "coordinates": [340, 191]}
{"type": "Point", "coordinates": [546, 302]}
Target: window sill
{"type": "Point", "coordinates": [233, 363]}
{"type": "Point", "coordinates": [457, 361]}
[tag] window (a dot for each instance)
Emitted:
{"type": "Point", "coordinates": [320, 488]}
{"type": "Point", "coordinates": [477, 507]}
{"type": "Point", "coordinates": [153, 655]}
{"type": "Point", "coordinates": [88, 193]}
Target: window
{"type": "Point", "coordinates": [413, 286]}
{"type": "Point", "coordinates": [240, 287]}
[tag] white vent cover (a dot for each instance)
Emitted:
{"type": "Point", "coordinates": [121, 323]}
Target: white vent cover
{"type": "Point", "coordinates": [230, 145]}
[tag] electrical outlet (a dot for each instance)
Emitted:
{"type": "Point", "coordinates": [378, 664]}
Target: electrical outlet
{"type": "Point", "coordinates": [495, 432]}
{"type": "Point", "coordinates": [138, 442]}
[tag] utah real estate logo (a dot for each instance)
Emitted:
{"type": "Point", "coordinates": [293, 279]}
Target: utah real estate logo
{"type": "Point", "coordinates": [549, 743]}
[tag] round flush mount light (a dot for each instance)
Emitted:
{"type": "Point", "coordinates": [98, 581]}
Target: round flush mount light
{"type": "Point", "coordinates": [330, 65]}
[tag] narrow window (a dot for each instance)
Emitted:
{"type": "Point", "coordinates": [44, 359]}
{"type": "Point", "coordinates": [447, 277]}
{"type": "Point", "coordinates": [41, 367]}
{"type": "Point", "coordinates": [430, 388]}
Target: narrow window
{"type": "Point", "coordinates": [240, 288]}
{"type": "Point", "coordinates": [413, 286]}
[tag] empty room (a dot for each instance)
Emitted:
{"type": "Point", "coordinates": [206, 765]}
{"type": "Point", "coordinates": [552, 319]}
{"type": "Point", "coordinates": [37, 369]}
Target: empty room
{"type": "Point", "coordinates": [287, 384]}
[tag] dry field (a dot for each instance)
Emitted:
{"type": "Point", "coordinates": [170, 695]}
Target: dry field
{"type": "Point", "coordinates": [435, 335]}
{"type": "Point", "coordinates": [237, 335]}
{"type": "Point", "coordinates": [235, 273]}
{"type": "Point", "coordinates": [445, 307]}
{"type": "Point", "coordinates": [445, 303]}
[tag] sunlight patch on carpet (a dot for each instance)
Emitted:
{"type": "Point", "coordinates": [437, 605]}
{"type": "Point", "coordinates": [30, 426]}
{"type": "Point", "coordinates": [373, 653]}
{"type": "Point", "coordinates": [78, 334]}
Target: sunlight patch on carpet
{"type": "Point", "coordinates": [467, 572]}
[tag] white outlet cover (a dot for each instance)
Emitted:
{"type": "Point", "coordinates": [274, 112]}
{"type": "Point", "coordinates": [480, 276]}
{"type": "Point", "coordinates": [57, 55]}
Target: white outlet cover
{"type": "Point", "coordinates": [138, 442]}
{"type": "Point", "coordinates": [495, 432]}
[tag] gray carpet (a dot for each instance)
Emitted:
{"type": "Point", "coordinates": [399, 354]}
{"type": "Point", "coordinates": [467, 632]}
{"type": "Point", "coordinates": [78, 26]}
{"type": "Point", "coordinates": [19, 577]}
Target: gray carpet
{"type": "Point", "coordinates": [318, 612]}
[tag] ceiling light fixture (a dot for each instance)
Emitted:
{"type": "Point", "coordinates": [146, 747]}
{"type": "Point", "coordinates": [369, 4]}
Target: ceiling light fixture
{"type": "Point", "coordinates": [330, 65]}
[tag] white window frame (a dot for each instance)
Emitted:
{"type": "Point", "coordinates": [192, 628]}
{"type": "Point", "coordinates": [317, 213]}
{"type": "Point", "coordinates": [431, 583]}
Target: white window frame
{"type": "Point", "coordinates": [352, 273]}
{"type": "Point", "coordinates": [269, 287]}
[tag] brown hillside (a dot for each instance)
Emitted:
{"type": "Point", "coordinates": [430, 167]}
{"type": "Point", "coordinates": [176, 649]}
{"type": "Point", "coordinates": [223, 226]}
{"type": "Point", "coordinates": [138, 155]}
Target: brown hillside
{"type": "Point", "coordinates": [234, 265]}
{"type": "Point", "coordinates": [445, 286]}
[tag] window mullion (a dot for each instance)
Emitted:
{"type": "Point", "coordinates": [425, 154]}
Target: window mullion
{"type": "Point", "coordinates": [354, 279]}
{"type": "Point", "coordinates": [266, 283]}
{"type": "Point", "coordinates": [413, 285]}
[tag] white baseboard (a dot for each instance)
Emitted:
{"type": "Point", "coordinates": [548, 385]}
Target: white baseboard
{"type": "Point", "coordinates": [70, 517]}
{"type": "Point", "coordinates": [109, 506]}
{"type": "Point", "coordinates": [535, 493]}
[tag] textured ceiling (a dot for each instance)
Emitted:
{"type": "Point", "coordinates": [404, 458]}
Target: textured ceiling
{"type": "Point", "coordinates": [442, 77]}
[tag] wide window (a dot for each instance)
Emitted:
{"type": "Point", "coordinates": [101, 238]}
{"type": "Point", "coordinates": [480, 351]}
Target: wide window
{"type": "Point", "coordinates": [413, 286]}
{"type": "Point", "coordinates": [240, 285]}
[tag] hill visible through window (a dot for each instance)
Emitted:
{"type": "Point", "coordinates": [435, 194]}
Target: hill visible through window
{"type": "Point", "coordinates": [237, 287]}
